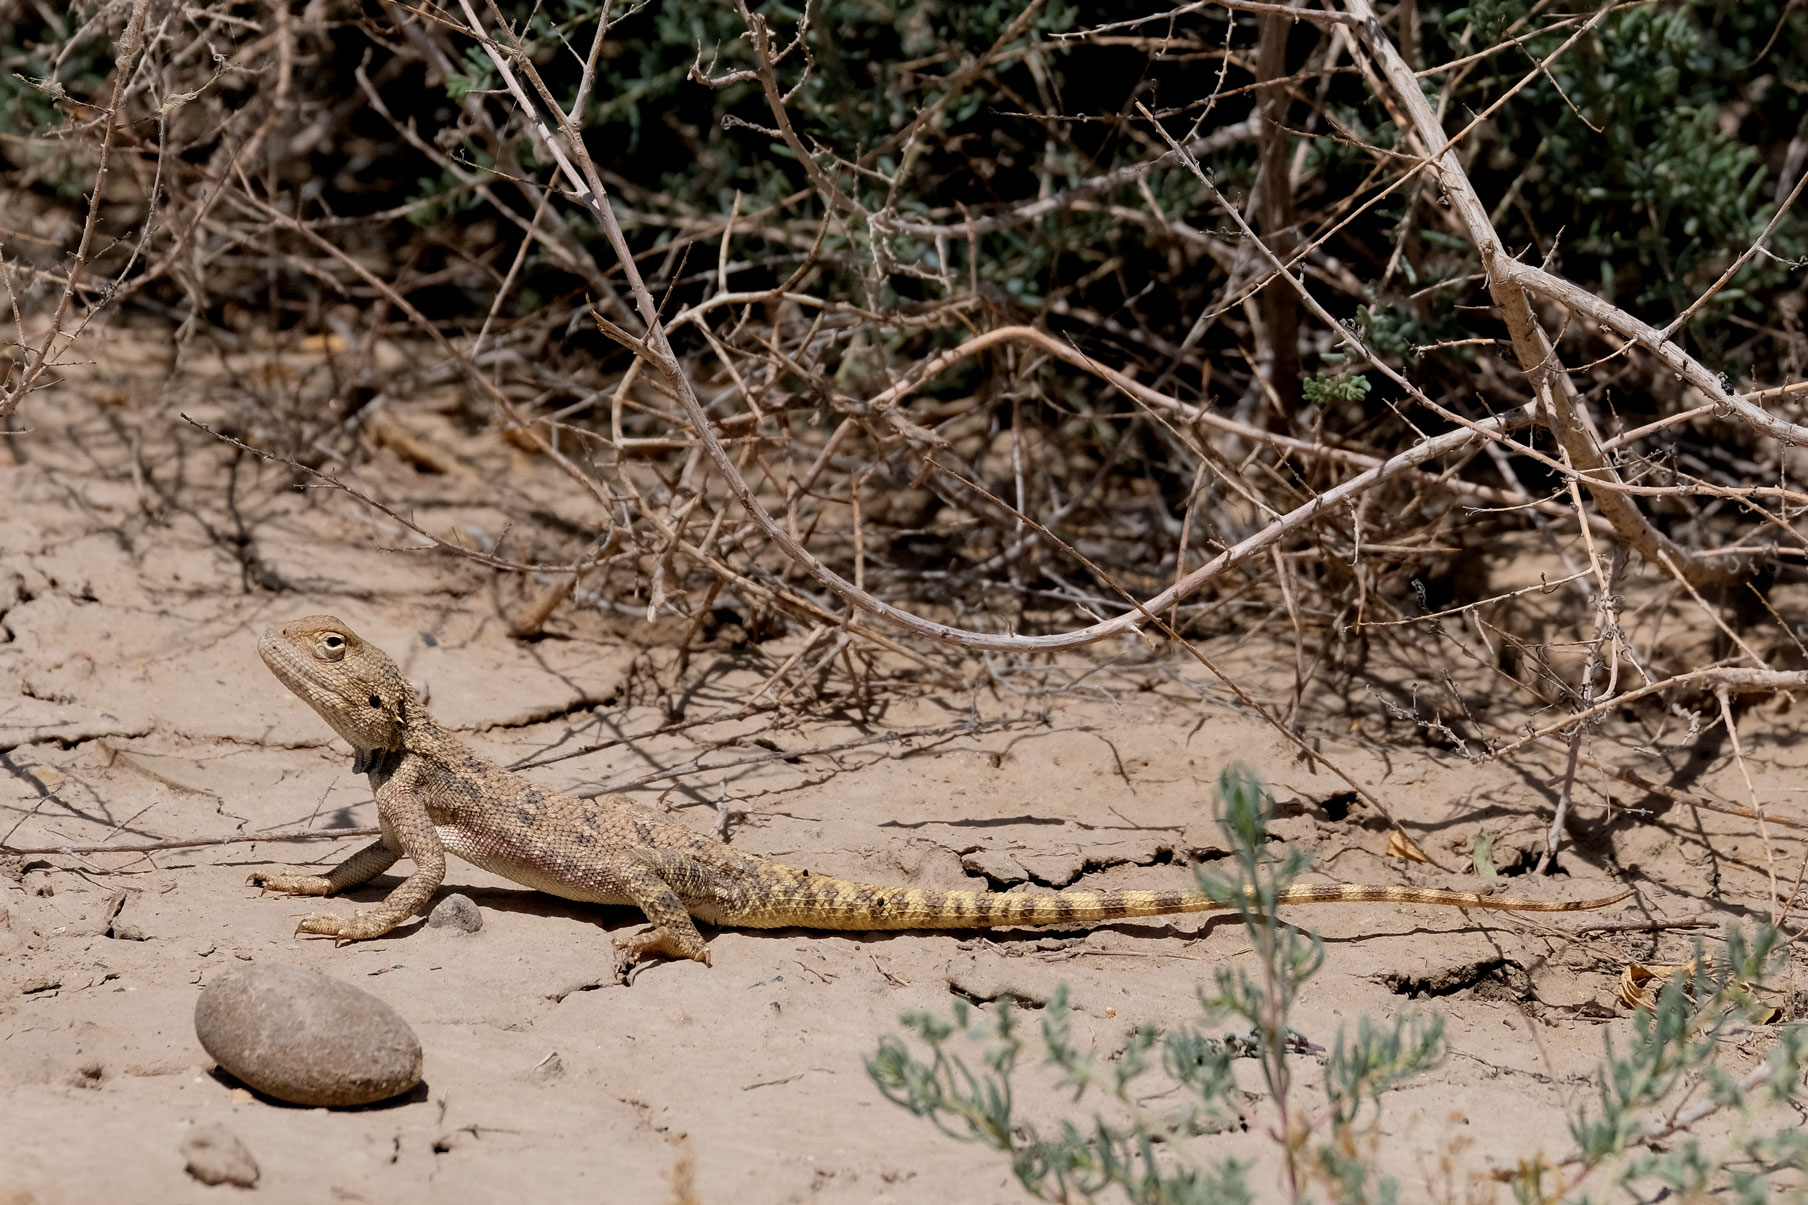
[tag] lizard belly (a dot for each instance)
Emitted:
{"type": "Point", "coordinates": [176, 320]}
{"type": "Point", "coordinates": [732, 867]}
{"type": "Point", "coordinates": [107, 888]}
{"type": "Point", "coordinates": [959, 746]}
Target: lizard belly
{"type": "Point", "coordinates": [567, 878]}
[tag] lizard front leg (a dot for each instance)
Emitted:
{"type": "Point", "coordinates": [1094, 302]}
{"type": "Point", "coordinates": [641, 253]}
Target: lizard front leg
{"type": "Point", "coordinates": [405, 821]}
{"type": "Point", "coordinates": [361, 867]}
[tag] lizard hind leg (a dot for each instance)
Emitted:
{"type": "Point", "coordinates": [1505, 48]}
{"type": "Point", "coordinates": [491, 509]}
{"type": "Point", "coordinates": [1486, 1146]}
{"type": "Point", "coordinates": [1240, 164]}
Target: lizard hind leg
{"type": "Point", "coordinates": [674, 934]}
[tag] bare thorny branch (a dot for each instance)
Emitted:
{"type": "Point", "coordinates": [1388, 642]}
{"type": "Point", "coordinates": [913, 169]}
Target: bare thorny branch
{"type": "Point", "coordinates": [1265, 499]}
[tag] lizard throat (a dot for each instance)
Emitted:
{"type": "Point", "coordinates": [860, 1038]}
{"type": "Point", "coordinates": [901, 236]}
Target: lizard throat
{"type": "Point", "coordinates": [378, 763]}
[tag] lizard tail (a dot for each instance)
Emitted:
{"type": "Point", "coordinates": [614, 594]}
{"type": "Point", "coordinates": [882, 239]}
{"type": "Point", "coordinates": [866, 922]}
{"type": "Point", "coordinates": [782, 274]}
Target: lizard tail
{"type": "Point", "coordinates": [816, 902]}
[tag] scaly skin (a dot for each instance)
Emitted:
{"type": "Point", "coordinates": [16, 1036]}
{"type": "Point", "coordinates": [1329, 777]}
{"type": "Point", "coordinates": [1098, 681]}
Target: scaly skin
{"type": "Point", "coordinates": [435, 795]}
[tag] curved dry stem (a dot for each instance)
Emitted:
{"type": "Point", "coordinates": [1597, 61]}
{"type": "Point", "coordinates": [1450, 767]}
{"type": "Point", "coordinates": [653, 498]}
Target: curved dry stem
{"type": "Point", "coordinates": [1579, 300]}
{"type": "Point", "coordinates": [1537, 357]}
{"type": "Point", "coordinates": [1302, 516]}
{"type": "Point", "coordinates": [1736, 678]}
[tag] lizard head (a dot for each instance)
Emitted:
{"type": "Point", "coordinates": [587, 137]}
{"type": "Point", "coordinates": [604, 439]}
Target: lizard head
{"type": "Point", "coordinates": [352, 683]}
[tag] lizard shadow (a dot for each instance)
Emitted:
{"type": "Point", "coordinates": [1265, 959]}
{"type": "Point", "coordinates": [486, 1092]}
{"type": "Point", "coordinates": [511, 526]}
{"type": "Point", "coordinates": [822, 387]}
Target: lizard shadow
{"type": "Point", "coordinates": [501, 899]}
{"type": "Point", "coordinates": [527, 902]}
{"type": "Point", "coordinates": [1131, 929]}
{"type": "Point", "coordinates": [1184, 934]}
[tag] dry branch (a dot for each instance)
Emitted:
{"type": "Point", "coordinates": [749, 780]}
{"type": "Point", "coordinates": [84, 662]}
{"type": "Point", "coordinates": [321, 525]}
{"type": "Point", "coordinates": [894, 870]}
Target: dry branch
{"type": "Point", "coordinates": [1555, 390]}
{"type": "Point", "coordinates": [144, 847]}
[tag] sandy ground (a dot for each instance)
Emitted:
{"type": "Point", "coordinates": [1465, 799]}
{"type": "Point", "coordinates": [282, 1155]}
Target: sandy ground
{"type": "Point", "coordinates": [138, 561]}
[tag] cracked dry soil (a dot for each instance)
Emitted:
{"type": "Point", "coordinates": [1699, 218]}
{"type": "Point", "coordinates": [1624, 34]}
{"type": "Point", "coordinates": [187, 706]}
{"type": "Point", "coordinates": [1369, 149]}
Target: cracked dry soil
{"type": "Point", "coordinates": [138, 560]}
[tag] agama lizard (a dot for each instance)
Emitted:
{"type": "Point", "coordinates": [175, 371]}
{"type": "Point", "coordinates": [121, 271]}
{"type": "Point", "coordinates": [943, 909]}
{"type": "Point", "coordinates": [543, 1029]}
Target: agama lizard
{"type": "Point", "coordinates": [436, 795]}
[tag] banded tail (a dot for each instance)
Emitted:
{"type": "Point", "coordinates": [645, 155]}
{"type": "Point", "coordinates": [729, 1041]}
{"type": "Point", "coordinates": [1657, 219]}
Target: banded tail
{"type": "Point", "coordinates": [809, 901]}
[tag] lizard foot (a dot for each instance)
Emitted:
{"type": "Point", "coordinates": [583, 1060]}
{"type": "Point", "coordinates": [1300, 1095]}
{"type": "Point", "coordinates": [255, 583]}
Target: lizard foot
{"type": "Point", "coordinates": [360, 926]}
{"type": "Point", "coordinates": [292, 884]}
{"type": "Point", "coordinates": [633, 952]}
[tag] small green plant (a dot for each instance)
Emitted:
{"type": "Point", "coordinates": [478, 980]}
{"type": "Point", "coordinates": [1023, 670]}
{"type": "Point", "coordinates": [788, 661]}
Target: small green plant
{"type": "Point", "coordinates": [1674, 1058]}
{"type": "Point", "coordinates": [1110, 1138]}
{"type": "Point", "coordinates": [478, 74]}
{"type": "Point", "coordinates": [1132, 1148]}
{"type": "Point", "coordinates": [1321, 389]}
{"type": "Point", "coordinates": [445, 196]}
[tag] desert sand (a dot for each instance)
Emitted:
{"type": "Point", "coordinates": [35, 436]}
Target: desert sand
{"type": "Point", "coordinates": [140, 557]}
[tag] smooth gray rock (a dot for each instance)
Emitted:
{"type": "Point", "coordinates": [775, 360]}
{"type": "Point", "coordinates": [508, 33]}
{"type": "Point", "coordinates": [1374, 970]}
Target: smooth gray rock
{"type": "Point", "coordinates": [307, 1039]}
{"type": "Point", "coordinates": [456, 912]}
{"type": "Point", "coordinates": [216, 1156]}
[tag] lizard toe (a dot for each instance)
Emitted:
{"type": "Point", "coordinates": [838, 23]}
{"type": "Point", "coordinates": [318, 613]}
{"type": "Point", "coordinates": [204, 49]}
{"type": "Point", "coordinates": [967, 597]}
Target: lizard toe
{"type": "Point", "coordinates": [324, 925]}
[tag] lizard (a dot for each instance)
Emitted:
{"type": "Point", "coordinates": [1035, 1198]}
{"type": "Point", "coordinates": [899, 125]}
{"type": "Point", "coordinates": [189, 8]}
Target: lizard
{"type": "Point", "coordinates": [435, 795]}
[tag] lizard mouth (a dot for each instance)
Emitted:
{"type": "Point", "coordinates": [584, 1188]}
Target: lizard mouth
{"type": "Point", "coordinates": [268, 650]}
{"type": "Point", "coordinates": [281, 659]}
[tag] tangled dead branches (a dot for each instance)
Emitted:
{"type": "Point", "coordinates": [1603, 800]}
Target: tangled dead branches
{"type": "Point", "coordinates": [1042, 334]}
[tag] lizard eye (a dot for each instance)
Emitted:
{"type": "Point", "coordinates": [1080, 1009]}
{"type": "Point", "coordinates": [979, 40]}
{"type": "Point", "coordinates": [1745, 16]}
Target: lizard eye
{"type": "Point", "coordinates": [376, 702]}
{"type": "Point", "coordinates": [331, 647]}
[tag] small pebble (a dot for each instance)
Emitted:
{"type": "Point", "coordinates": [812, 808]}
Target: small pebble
{"type": "Point", "coordinates": [307, 1039]}
{"type": "Point", "coordinates": [126, 933]}
{"type": "Point", "coordinates": [216, 1156]}
{"type": "Point", "coordinates": [456, 912]}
